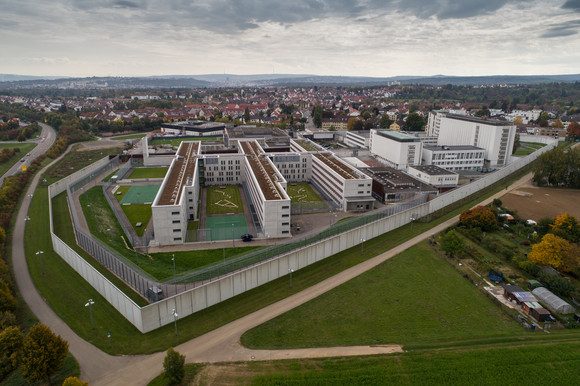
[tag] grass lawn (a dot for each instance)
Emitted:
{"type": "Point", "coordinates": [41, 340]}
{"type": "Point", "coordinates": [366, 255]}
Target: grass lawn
{"type": "Point", "coordinates": [415, 298]}
{"type": "Point", "coordinates": [227, 200]}
{"type": "Point", "coordinates": [24, 149]}
{"type": "Point", "coordinates": [302, 192]}
{"type": "Point", "coordinates": [142, 173]}
{"type": "Point", "coordinates": [128, 136]}
{"type": "Point", "coordinates": [527, 148]}
{"type": "Point", "coordinates": [550, 363]}
{"type": "Point", "coordinates": [123, 189]}
{"type": "Point", "coordinates": [76, 160]}
{"type": "Point", "coordinates": [138, 213]}
{"type": "Point", "coordinates": [177, 141]}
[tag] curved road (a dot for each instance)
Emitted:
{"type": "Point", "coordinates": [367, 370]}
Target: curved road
{"type": "Point", "coordinates": [222, 344]}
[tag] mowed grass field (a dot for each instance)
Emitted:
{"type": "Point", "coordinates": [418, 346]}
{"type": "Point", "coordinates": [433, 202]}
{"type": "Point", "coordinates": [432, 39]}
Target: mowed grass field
{"type": "Point", "coordinates": [142, 173]}
{"type": "Point", "coordinates": [413, 299]}
{"type": "Point", "coordinates": [527, 148]}
{"type": "Point", "coordinates": [302, 192]}
{"type": "Point", "coordinates": [177, 141]}
{"type": "Point", "coordinates": [138, 213]}
{"type": "Point", "coordinates": [221, 200]}
{"type": "Point", "coordinates": [552, 363]}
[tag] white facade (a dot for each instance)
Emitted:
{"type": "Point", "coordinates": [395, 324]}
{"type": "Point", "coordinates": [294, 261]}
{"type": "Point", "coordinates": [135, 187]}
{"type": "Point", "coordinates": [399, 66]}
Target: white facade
{"type": "Point", "coordinates": [496, 137]}
{"type": "Point", "coordinates": [434, 176]}
{"type": "Point", "coordinates": [454, 157]}
{"type": "Point", "coordinates": [354, 139]}
{"type": "Point", "coordinates": [396, 149]}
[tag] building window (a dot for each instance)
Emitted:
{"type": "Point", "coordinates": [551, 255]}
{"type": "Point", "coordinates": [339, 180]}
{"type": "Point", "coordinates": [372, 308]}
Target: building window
{"type": "Point", "coordinates": [177, 239]}
{"type": "Point", "coordinates": [176, 221]}
{"type": "Point", "coordinates": [285, 207]}
{"type": "Point", "coordinates": [177, 230]}
{"type": "Point", "coordinates": [285, 232]}
{"type": "Point", "coordinates": [285, 215]}
{"type": "Point", "coordinates": [175, 213]}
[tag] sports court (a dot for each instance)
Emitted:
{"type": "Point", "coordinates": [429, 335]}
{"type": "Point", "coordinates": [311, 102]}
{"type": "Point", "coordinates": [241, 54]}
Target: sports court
{"type": "Point", "coordinates": [139, 194]}
{"type": "Point", "coordinates": [221, 227]}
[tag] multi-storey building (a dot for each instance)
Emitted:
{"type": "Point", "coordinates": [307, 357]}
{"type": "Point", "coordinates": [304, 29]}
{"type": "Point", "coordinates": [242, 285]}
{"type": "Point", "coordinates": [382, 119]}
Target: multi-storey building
{"type": "Point", "coordinates": [496, 137]}
{"type": "Point", "coordinates": [454, 157]}
{"type": "Point", "coordinates": [396, 149]}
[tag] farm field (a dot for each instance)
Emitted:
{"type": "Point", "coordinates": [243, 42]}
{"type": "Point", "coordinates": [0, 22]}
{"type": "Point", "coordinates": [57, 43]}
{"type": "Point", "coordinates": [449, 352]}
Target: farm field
{"type": "Point", "coordinates": [142, 173]}
{"type": "Point", "coordinates": [302, 192]}
{"type": "Point", "coordinates": [414, 299]}
{"type": "Point", "coordinates": [542, 202]}
{"type": "Point", "coordinates": [221, 200]}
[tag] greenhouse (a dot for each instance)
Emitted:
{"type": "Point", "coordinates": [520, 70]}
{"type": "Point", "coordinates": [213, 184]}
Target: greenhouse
{"type": "Point", "coordinates": [552, 302]}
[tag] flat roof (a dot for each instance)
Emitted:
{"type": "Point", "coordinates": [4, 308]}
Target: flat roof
{"type": "Point", "coordinates": [452, 148]}
{"type": "Point", "coordinates": [493, 122]}
{"type": "Point", "coordinates": [398, 136]}
{"type": "Point", "coordinates": [255, 132]}
{"type": "Point", "coordinates": [195, 125]}
{"type": "Point", "coordinates": [395, 180]}
{"type": "Point", "coordinates": [432, 170]}
{"type": "Point", "coordinates": [180, 174]}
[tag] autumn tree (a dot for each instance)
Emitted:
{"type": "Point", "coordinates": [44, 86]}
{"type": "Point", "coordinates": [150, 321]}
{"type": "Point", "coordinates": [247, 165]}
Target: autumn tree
{"type": "Point", "coordinates": [43, 353]}
{"type": "Point", "coordinates": [11, 342]}
{"type": "Point", "coordinates": [354, 124]}
{"type": "Point", "coordinates": [557, 124]}
{"type": "Point", "coordinates": [479, 217]}
{"type": "Point", "coordinates": [74, 381]}
{"type": "Point", "coordinates": [173, 366]}
{"type": "Point", "coordinates": [518, 120]}
{"type": "Point", "coordinates": [556, 252]}
{"type": "Point", "coordinates": [567, 227]}
{"type": "Point", "coordinates": [451, 243]}
{"type": "Point", "coordinates": [574, 129]}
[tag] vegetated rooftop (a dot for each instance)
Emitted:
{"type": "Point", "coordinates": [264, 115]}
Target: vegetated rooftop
{"type": "Point", "coordinates": [263, 170]}
{"type": "Point", "coordinates": [180, 173]}
{"type": "Point", "coordinates": [343, 170]}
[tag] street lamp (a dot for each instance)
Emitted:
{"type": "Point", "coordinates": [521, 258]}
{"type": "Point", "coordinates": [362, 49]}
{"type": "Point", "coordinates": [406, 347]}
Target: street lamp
{"type": "Point", "coordinates": [412, 220]}
{"type": "Point", "coordinates": [291, 270]}
{"type": "Point", "coordinates": [174, 275]}
{"type": "Point", "coordinates": [233, 240]}
{"type": "Point", "coordinates": [39, 253]}
{"type": "Point", "coordinates": [174, 312]}
{"type": "Point", "coordinates": [362, 245]}
{"type": "Point", "coordinates": [90, 304]}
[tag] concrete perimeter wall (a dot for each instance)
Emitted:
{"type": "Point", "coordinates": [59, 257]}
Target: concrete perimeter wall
{"type": "Point", "coordinates": [186, 303]}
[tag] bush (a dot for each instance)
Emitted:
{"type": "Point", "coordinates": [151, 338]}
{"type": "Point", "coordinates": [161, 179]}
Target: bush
{"type": "Point", "coordinates": [11, 342]}
{"type": "Point", "coordinates": [173, 366]}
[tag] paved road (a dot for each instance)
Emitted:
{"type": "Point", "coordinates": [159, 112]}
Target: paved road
{"type": "Point", "coordinates": [222, 344]}
{"type": "Point", "coordinates": [47, 138]}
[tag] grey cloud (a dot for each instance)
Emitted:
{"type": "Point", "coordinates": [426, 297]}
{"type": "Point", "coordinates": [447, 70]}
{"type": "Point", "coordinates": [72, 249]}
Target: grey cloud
{"type": "Point", "coordinates": [452, 9]}
{"type": "Point", "coordinates": [572, 4]}
{"type": "Point", "coordinates": [126, 4]}
{"type": "Point", "coordinates": [562, 29]}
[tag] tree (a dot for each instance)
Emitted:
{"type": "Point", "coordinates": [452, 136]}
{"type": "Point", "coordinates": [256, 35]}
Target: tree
{"type": "Point", "coordinates": [385, 121]}
{"type": "Point", "coordinates": [246, 115]}
{"type": "Point", "coordinates": [556, 252]}
{"type": "Point", "coordinates": [518, 120]}
{"type": "Point", "coordinates": [567, 226]}
{"type": "Point", "coordinates": [557, 124]}
{"type": "Point", "coordinates": [173, 366]}
{"type": "Point", "coordinates": [43, 353]}
{"type": "Point", "coordinates": [516, 143]}
{"type": "Point", "coordinates": [479, 217]}
{"type": "Point", "coordinates": [574, 129]}
{"type": "Point", "coordinates": [74, 381]}
{"type": "Point", "coordinates": [550, 168]}
{"type": "Point", "coordinates": [451, 243]}
{"type": "Point", "coordinates": [11, 341]}
{"type": "Point", "coordinates": [317, 116]}
{"type": "Point", "coordinates": [497, 202]}
{"type": "Point", "coordinates": [354, 124]}
{"type": "Point", "coordinates": [414, 122]}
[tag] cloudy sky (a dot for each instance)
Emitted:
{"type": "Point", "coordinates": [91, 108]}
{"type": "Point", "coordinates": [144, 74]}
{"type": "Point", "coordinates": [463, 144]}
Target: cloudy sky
{"type": "Point", "coordinates": [323, 37]}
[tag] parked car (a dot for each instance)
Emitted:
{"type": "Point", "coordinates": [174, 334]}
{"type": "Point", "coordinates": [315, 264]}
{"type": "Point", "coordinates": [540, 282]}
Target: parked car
{"type": "Point", "coordinates": [247, 237]}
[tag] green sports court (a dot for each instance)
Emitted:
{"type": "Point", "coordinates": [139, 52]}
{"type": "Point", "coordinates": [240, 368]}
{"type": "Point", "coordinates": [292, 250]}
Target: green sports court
{"type": "Point", "coordinates": [139, 194]}
{"type": "Point", "coordinates": [221, 227]}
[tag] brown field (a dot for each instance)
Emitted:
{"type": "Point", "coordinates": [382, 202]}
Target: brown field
{"type": "Point", "coordinates": [542, 202]}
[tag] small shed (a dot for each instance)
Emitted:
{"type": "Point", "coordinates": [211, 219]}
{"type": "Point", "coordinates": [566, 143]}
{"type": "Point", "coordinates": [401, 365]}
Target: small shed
{"type": "Point", "coordinates": [540, 314]}
{"type": "Point", "coordinates": [552, 302]}
{"type": "Point", "coordinates": [508, 291]}
{"type": "Point", "coordinates": [528, 306]}
{"type": "Point", "coordinates": [533, 284]}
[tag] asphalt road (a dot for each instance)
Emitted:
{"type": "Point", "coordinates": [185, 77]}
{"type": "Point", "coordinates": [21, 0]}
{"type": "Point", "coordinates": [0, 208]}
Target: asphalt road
{"type": "Point", "coordinates": [47, 138]}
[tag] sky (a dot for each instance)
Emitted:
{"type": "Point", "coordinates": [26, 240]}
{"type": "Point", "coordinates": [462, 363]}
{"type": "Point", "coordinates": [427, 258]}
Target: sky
{"type": "Point", "coordinates": [321, 37]}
